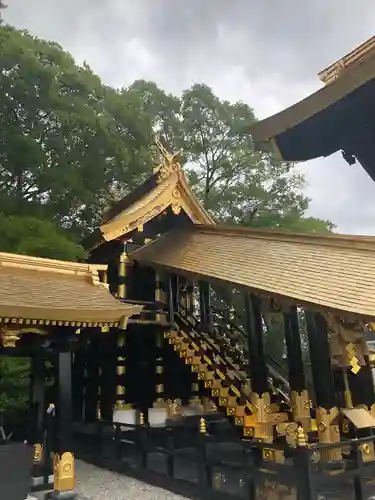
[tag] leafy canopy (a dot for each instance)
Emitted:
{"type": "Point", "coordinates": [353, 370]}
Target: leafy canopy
{"type": "Point", "coordinates": [65, 137]}
{"type": "Point", "coordinates": [235, 183]}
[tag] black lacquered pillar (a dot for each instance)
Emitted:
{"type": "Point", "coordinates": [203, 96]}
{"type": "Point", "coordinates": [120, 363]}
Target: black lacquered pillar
{"type": "Point", "coordinates": [64, 469]}
{"type": "Point", "coordinates": [170, 300]}
{"type": "Point", "coordinates": [79, 370]}
{"type": "Point", "coordinates": [92, 385]}
{"type": "Point", "coordinates": [205, 305]}
{"type": "Point", "coordinates": [362, 385]}
{"type": "Point", "coordinates": [260, 395]}
{"type": "Point", "coordinates": [254, 331]}
{"type": "Point", "coordinates": [300, 399]}
{"type": "Point", "coordinates": [108, 376]}
{"type": "Point", "coordinates": [320, 357]}
{"type": "Point", "coordinates": [37, 401]}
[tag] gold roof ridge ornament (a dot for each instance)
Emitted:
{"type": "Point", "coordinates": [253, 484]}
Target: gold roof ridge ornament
{"type": "Point", "coordinates": [166, 188]}
{"type": "Point", "coordinates": [169, 161]}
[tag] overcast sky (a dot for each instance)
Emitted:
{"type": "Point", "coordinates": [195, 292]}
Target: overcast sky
{"type": "Point", "coordinates": [264, 52]}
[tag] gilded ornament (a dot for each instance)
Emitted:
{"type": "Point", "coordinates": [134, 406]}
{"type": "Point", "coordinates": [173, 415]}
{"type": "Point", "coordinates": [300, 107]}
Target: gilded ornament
{"type": "Point", "coordinates": [176, 208]}
{"type": "Point", "coordinates": [64, 472]}
{"type": "Point", "coordinates": [248, 432]}
{"type": "Point", "coordinates": [301, 437]}
{"type": "Point", "coordinates": [38, 452]}
{"type": "Point", "coordinates": [202, 426]}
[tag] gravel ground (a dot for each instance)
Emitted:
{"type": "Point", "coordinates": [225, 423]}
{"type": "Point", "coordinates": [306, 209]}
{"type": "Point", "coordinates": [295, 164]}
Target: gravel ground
{"type": "Point", "coordinates": [99, 484]}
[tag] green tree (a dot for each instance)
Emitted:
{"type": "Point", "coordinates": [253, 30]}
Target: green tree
{"type": "Point", "coordinates": [40, 238]}
{"type": "Point", "coordinates": [14, 387]}
{"type": "Point", "coordinates": [66, 139]}
{"type": "Point", "coordinates": [162, 108]}
{"type": "Point", "coordinates": [235, 183]}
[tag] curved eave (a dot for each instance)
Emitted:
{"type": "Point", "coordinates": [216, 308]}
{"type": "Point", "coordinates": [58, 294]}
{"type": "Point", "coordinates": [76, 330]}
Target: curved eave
{"type": "Point", "coordinates": [176, 191]}
{"type": "Point", "coordinates": [312, 113]}
{"type": "Point", "coordinates": [31, 317]}
{"type": "Point", "coordinates": [192, 207]}
{"type": "Point", "coordinates": [37, 291]}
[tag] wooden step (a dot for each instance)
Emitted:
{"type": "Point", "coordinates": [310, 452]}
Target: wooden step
{"type": "Point", "coordinates": [187, 352]}
{"type": "Point", "coordinates": [193, 360]}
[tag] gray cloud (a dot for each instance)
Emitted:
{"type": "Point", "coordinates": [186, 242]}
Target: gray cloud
{"type": "Point", "coordinates": [266, 53]}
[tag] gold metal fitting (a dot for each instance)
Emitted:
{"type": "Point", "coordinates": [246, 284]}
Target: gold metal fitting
{"type": "Point", "coordinates": [202, 426]}
{"type": "Point", "coordinates": [38, 452]}
{"type": "Point", "coordinates": [272, 455]}
{"type": "Point", "coordinates": [141, 419]}
{"type": "Point", "coordinates": [64, 472]}
{"type": "Point", "coordinates": [302, 440]}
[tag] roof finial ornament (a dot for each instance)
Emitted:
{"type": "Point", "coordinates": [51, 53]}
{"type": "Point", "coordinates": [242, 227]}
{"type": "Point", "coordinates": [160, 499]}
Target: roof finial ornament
{"type": "Point", "coordinates": [169, 161]}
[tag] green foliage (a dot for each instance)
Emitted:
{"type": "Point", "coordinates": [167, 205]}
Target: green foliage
{"type": "Point", "coordinates": [234, 182]}
{"type": "Point", "coordinates": [65, 137]}
{"type": "Point", "coordinates": [41, 238]}
{"type": "Point", "coordinates": [14, 384]}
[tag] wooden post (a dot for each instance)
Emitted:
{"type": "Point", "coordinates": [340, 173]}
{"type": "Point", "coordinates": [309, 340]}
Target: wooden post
{"type": "Point", "coordinates": [64, 469]}
{"type": "Point", "coordinates": [120, 372]}
{"type": "Point", "coordinates": [108, 381]}
{"type": "Point", "coordinates": [320, 360]}
{"type": "Point", "coordinates": [92, 377]}
{"type": "Point", "coordinates": [170, 300]}
{"type": "Point", "coordinates": [79, 371]}
{"type": "Point", "coordinates": [160, 295]}
{"type": "Point", "coordinates": [327, 411]}
{"type": "Point", "coordinates": [121, 292]}
{"type": "Point", "coordinates": [300, 398]}
{"type": "Point", "coordinates": [254, 331]}
{"type": "Point", "coordinates": [205, 306]}
{"type": "Point", "coordinates": [159, 371]}
{"type": "Point", "coordinates": [37, 399]}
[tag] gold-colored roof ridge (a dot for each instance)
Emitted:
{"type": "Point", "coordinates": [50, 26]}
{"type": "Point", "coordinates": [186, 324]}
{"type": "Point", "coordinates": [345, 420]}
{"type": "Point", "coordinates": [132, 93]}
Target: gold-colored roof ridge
{"type": "Point", "coordinates": [21, 261]}
{"type": "Point", "coordinates": [167, 187]}
{"type": "Point", "coordinates": [333, 272]}
{"type": "Point", "coordinates": [365, 242]}
{"type": "Point", "coordinates": [350, 60]}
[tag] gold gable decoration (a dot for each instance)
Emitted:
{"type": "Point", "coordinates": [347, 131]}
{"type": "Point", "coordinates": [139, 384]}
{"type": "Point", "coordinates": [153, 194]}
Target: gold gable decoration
{"type": "Point", "coordinates": [169, 164]}
{"type": "Point", "coordinates": [167, 187]}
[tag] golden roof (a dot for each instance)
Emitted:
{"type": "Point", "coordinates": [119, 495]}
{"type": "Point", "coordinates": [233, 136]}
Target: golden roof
{"type": "Point", "coordinates": [167, 187]}
{"type": "Point", "coordinates": [52, 292]}
{"type": "Point", "coordinates": [357, 69]}
{"type": "Point", "coordinates": [354, 58]}
{"type": "Point", "coordinates": [335, 272]}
